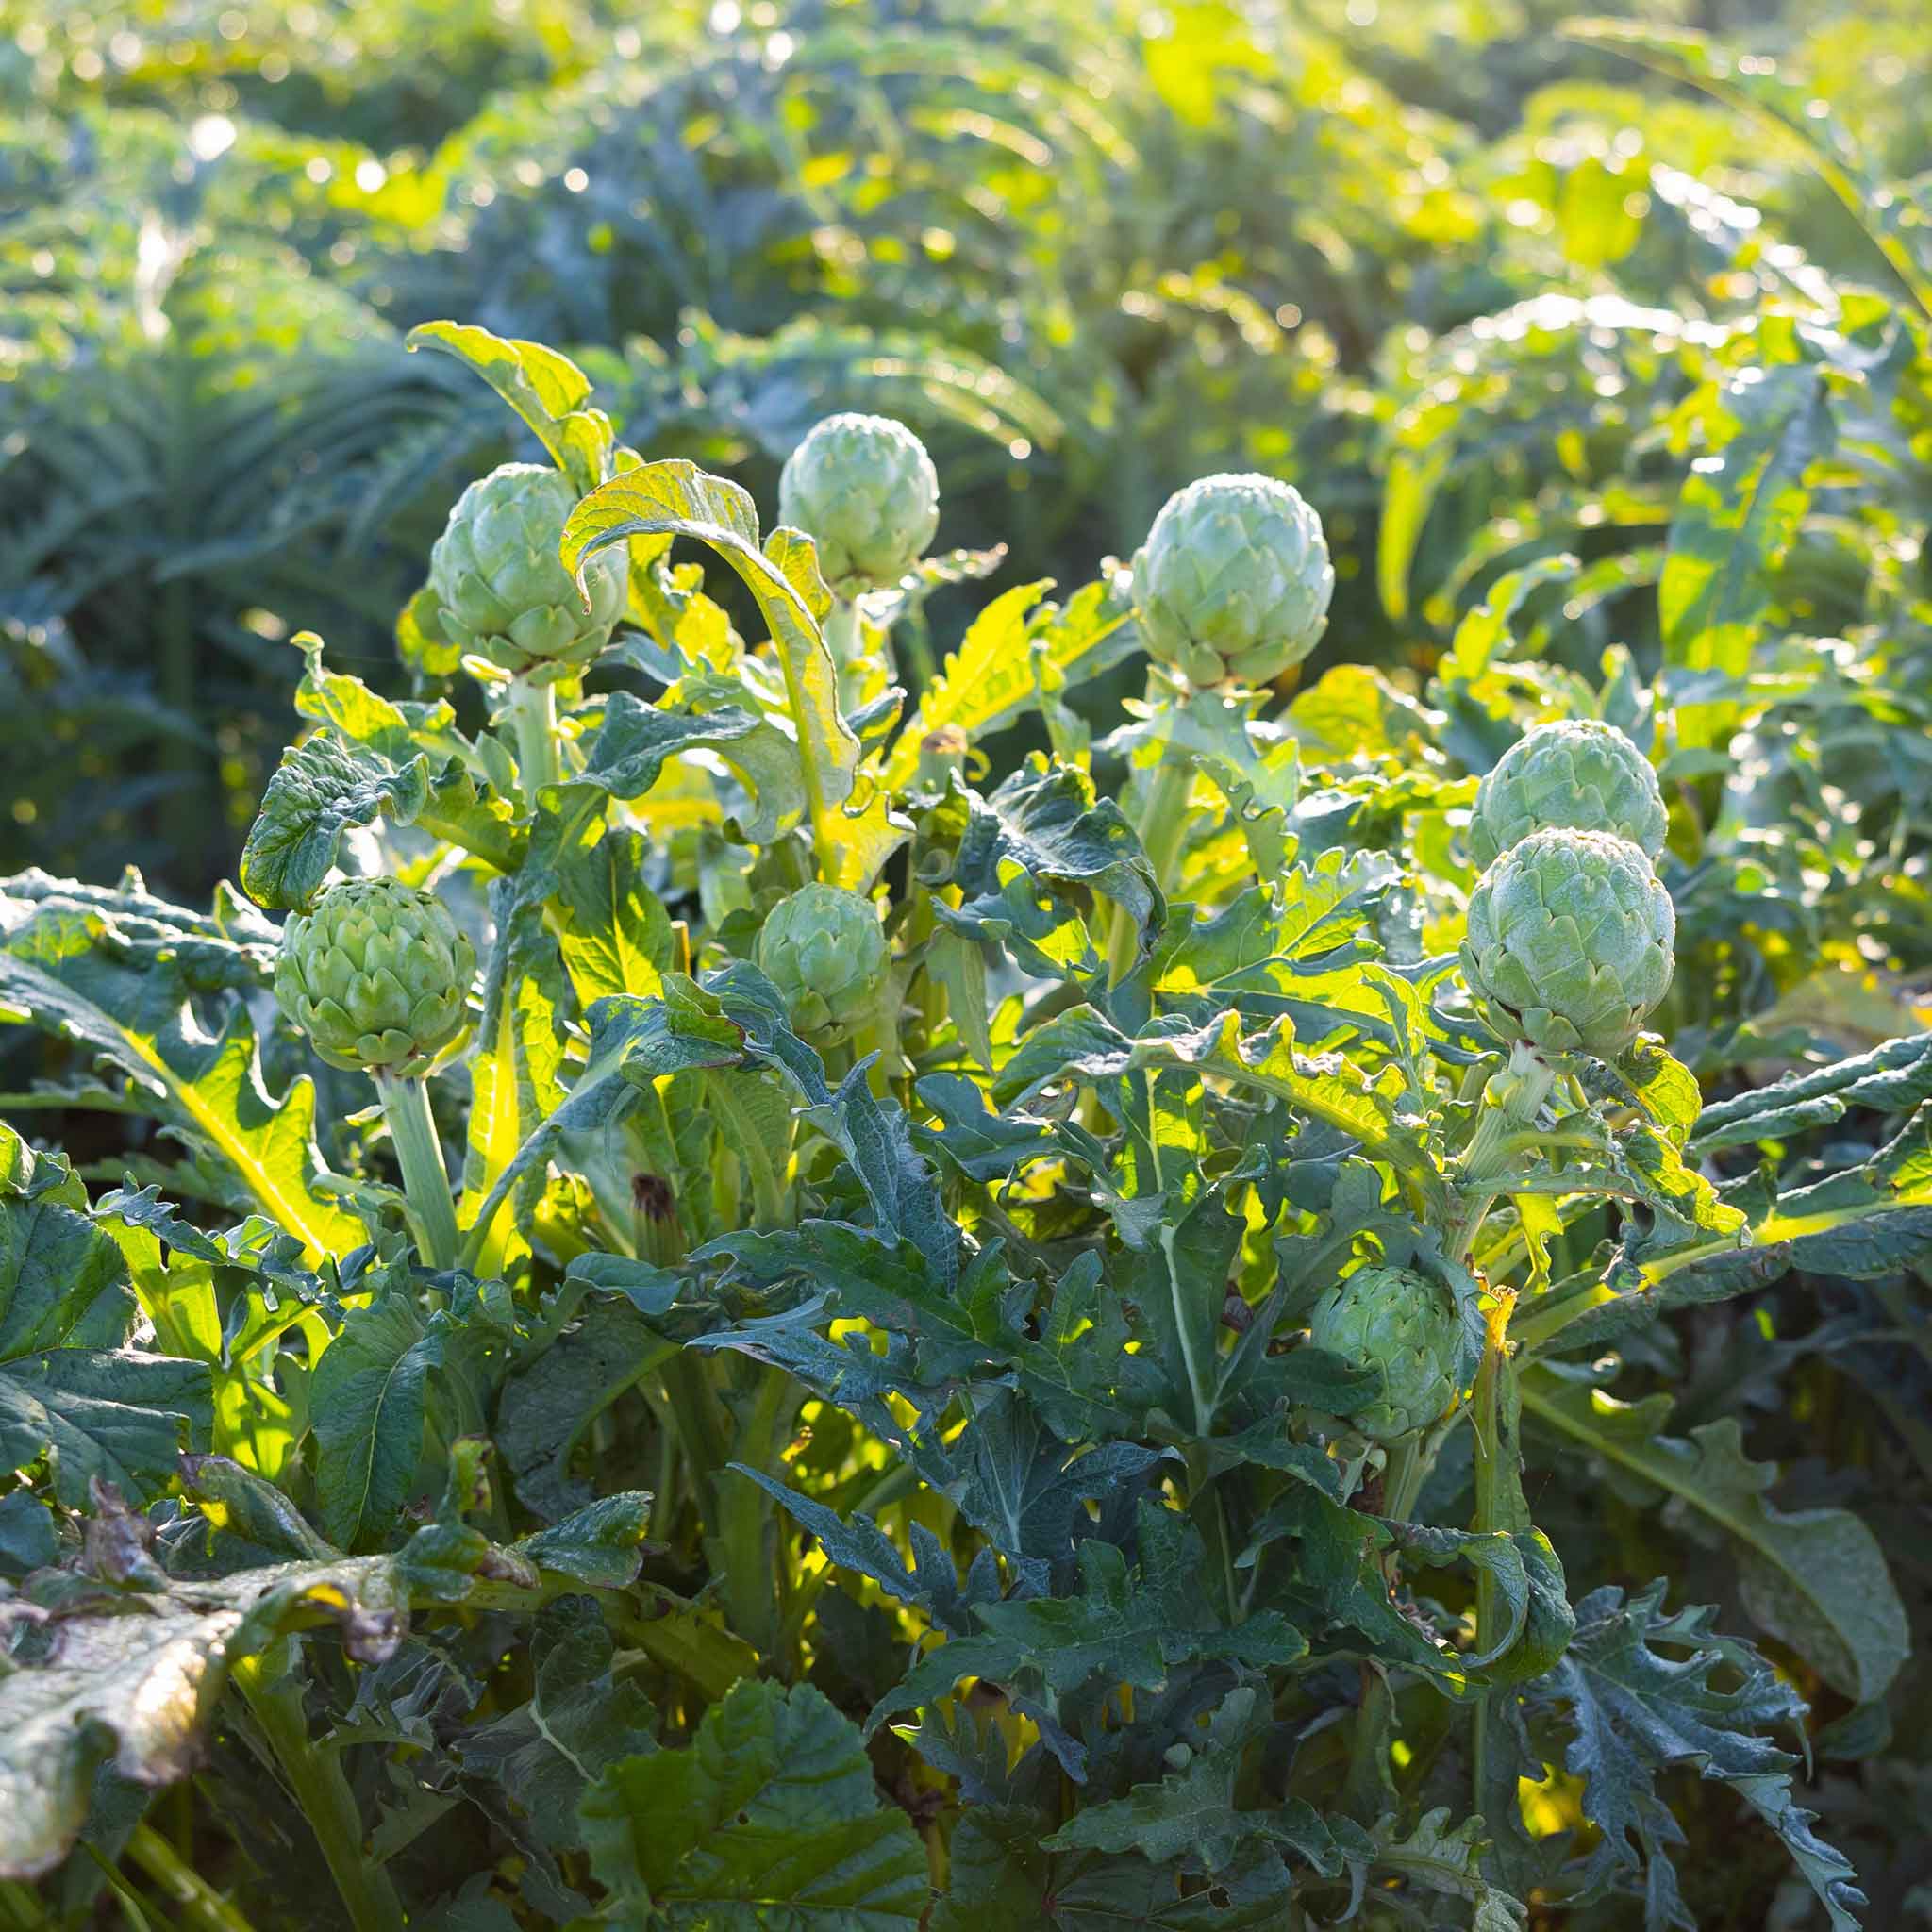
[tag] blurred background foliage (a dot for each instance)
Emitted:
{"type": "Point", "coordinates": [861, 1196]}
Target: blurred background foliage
{"type": "Point", "coordinates": [1458, 275]}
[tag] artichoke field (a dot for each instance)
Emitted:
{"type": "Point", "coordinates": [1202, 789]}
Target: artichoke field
{"type": "Point", "coordinates": [830, 1237]}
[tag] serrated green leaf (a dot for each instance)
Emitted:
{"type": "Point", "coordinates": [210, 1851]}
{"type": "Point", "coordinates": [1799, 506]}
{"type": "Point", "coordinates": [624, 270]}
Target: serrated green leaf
{"type": "Point", "coordinates": [1816, 1578]}
{"type": "Point", "coordinates": [1448, 1859]}
{"type": "Point", "coordinates": [1637, 1710]}
{"type": "Point", "coordinates": [368, 1404]}
{"type": "Point", "coordinates": [1191, 1814]}
{"type": "Point", "coordinates": [325, 785]}
{"type": "Point", "coordinates": [1893, 1078]}
{"type": "Point", "coordinates": [137, 1672]}
{"type": "Point", "coordinates": [116, 1415]}
{"type": "Point", "coordinates": [546, 1409]}
{"type": "Point", "coordinates": [547, 389]}
{"type": "Point", "coordinates": [992, 677]}
{"type": "Point", "coordinates": [1128, 1625]}
{"type": "Point", "coordinates": [115, 972]}
{"type": "Point", "coordinates": [1031, 855]}
{"type": "Point", "coordinates": [770, 1813]}
{"type": "Point", "coordinates": [636, 740]}
{"type": "Point", "coordinates": [580, 1720]}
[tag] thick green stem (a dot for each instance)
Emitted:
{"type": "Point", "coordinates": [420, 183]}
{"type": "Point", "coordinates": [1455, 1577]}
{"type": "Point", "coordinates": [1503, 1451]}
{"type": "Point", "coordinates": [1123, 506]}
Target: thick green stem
{"type": "Point", "coordinates": [1406, 1470]}
{"type": "Point", "coordinates": [756, 1582]}
{"type": "Point", "coordinates": [182, 1885]}
{"type": "Point", "coordinates": [1495, 1511]}
{"type": "Point", "coordinates": [273, 1689]}
{"type": "Point", "coordinates": [1163, 831]}
{"type": "Point", "coordinates": [533, 717]}
{"type": "Point", "coordinates": [425, 1180]}
{"type": "Point", "coordinates": [738, 1514]}
{"type": "Point", "coordinates": [1510, 1102]}
{"type": "Point", "coordinates": [845, 639]}
{"type": "Point", "coordinates": [20, 1908]}
{"type": "Point", "coordinates": [881, 1035]}
{"type": "Point", "coordinates": [1180, 1290]}
{"type": "Point", "coordinates": [1402, 1481]}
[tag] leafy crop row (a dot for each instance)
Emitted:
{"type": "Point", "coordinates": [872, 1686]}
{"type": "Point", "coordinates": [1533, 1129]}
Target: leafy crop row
{"type": "Point", "coordinates": [715, 1296]}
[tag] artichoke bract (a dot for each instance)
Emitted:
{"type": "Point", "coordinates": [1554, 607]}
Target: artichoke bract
{"type": "Point", "coordinates": [1575, 772]}
{"type": "Point", "coordinates": [1233, 582]}
{"type": "Point", "coordinates": [377, 974]}
{"type": "Point", "coordinates": [863, 488]}
{"type": "Point", "coordinates": [1402, 1324]}
{"type": "Point", "coordinates": [499, 587]}
{"type": "Point", "coordinates": [1569, 943]}
{"type": "Point", "coordinates": [825, 952]}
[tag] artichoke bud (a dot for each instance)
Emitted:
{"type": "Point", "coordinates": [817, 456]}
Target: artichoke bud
{"type": "Point", "coordinates": [1574, 772]}
{"type": "Point", "coordinates": [1569, 943]}
{"type": "Point", "coordinates": [823, 950]}
{"type": "Point", "coordinates": [377, 974]}
{"type": "Point", "coordinates": [500, 588]}
{"type": "Point", "coordinates": [863, 488]}
{"type": "Point", "coordinates": [1233, 583]}
{"type": "Point", "coordinates": [1402, 1324]}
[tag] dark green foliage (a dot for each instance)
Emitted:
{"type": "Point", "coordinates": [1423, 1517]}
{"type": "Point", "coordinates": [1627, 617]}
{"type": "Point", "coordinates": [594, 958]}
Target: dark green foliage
{"type": "Point", "coordinates": [952, 1468]}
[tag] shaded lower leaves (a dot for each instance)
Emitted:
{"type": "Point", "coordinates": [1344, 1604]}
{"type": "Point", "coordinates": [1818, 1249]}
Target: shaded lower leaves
{"type": "Point", "coordinates": [769, 1817]}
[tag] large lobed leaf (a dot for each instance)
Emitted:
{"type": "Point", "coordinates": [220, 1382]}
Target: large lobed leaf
{"type": "Point", "coordinates": [124, 1665]}
{"type": "Point", "coordinates": [122, 974]}
{"type": "Point", "coordinates": [769, 1818]}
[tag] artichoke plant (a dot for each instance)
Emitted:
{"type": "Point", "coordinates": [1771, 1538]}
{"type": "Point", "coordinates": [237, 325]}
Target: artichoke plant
{"type": "Point", "coordinates": [498, 584]}
{"type": "Point", "coordinates": [823, 950]}
{"type": "Point", "coordinates": [1569, 942]}
{"type": "Point", "coordinates": [1402, 1324]}
{"type": "Point", "coordinates": [865, 492]}
{"type": "Point", "coordinates": [1575, 771]}
{"type": "Point", "coordinates": [1233, 583]}
{"type": "Point", "coordinates": [377, 974]}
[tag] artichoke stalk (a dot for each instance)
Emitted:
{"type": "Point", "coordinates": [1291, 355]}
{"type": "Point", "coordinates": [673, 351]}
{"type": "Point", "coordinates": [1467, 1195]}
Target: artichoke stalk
{"type": "Point", "coordinates": [377, 974]}
{"type": "Point", "coordinates": [503, 594]}
{"type": "Point", "coordinates": [1231, 588]}
{"type": "Point", "coordinates": [864, 490]}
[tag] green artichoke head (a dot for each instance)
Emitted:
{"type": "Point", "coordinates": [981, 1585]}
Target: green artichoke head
{"type": "Point", "coordinates": [823, 950]}
{"type": "Point", "coordinates": [500, 589]}
{"type": "Point", "coordinates": [863, 488]}
{"type": "Point", "coordinates": [1233, 583]}
{"type": "Point", "coordinates": [1402, 1324]}
{"type": "Point", "coordinates": [376, 973]}
{"type": "Point", "coordinates": [1569, 942]}
{"type": "Point", "coordinates": [1576, 771]}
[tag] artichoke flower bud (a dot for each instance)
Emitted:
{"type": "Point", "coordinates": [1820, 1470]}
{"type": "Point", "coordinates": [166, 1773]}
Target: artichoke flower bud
{"type": "Point", "coordinates": [823, 950]}
{"type": "Point", "coordinates": [1402, 1324]}
{"type": "Point", "coordinates": [1568, 943]}
{"type": "Point", "coordinates": [1575, 772]}
{"type": "Point", "coordinates": [863, 488]}
{"type": "Point", "coordinates": [1233, 582]}
{"type": "Point", "coordinates": [502, 591]}
{"type": "Point", "coordinates": [376, 973]}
